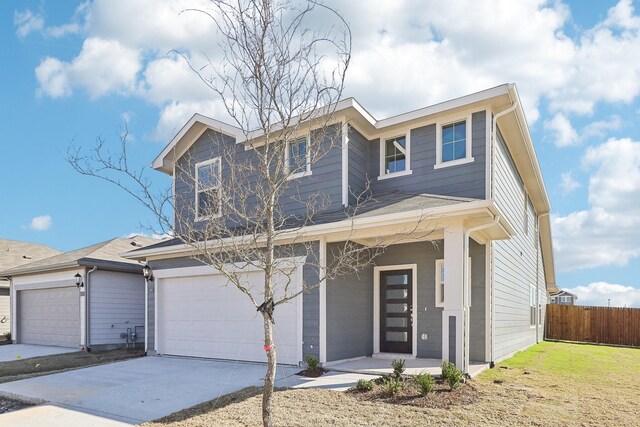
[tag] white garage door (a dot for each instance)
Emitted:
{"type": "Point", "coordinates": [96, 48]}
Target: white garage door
{"type": "Point", "coordinates": [49, 316]}
{"type": "Point", "coordinates": [204, 317]}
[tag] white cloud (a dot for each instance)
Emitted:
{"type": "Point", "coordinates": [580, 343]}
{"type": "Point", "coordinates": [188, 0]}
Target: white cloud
{"type": "Point", "coordinates": [41, 223]}
{"type": "Point", "coordinates": [564, 133]}
{"type": "Point", "coordinates": [567, 183]}
{"type": "Point", "coordinates": [608, 232]}
{"type": "Point", "coordinates": [27, 22]}
{"type": "Point", "coordinates": [102, 67]}
{"type": "Point", "coordinates": [599, 293]}
{"type": "Point", "coordinates": [413, 56]}
{"type": "Point", "coordinates": [601, 127]}
{"type": "Point", "coordinates": [151, 236]}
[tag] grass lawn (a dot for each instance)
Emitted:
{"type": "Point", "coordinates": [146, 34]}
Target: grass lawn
{"type": "Point", "coordinates": [548, 384]}
{"type": "Point", "coordinates": [43, 365]}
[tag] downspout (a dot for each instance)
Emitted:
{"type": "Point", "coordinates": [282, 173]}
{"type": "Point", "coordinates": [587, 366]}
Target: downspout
{"type": "Point", "coordinates": [86, 306]}
{"type": "Point", "coordinates": [465, 288]}
{"type": "Point", "coordinates": [494, 137]}
{"type": "Point", "coordinates": [538, 252]}
{"type": "Point", "coordinates": [146, 315]}
{"type": "Point", "coordinates": [494, 134]}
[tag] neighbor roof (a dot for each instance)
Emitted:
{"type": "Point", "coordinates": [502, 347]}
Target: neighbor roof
{"type": "Point", "coordinates": [105, 254]}
{"type": "Point", "coordinates": [14, 253]}
{"type": "Point", "coordinates": [562, 293]}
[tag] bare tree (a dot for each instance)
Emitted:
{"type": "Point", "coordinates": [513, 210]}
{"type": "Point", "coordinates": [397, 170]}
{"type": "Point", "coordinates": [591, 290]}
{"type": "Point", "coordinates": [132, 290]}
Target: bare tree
{"type": "Point", "coordinates": [280, 81]}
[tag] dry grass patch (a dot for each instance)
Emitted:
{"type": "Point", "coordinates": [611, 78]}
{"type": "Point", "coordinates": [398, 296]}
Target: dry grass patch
{"type": "Point", "coordinates": [44, 365]}
{"type": "Point", "coordinates": [549, 384]}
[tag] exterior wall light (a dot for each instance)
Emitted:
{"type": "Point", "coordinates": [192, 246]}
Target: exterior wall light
{"type": "Point", "coordinates": [79, 282]}
{"type": "Point", "coordinates": [146, 272]}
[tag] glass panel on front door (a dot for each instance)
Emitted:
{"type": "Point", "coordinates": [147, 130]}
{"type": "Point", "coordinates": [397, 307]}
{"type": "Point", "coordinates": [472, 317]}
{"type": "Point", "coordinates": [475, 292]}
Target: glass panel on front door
{"type": "Point", "coordinates": [396, 299]}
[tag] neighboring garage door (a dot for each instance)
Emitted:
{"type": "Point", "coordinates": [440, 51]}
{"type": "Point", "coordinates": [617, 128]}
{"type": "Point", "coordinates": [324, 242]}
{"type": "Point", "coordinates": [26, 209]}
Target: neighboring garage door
{"type": "Point", "coordinates": [49, 316]}
{"type": "Point", "coordinates": [204, 317]}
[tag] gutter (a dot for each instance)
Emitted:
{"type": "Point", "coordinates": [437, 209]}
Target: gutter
{"type": "Point", "coordinates": [466, 282]}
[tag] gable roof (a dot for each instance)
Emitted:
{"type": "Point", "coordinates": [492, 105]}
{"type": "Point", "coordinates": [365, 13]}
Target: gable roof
{"type": "Point", "coordinates": [513, 126]}
{"type": "Point", "coordinates": [14, 253]}
{"type": "Point", "coordinates": [105, 254]}
{"type": "Point", "coordinates": [563, 293]}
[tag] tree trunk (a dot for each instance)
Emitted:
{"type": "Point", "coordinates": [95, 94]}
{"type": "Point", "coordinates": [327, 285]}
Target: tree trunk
{"type": "Point", "coordinates": [269, 379]}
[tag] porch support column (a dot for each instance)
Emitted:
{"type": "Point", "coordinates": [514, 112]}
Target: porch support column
{"type": "Point", "coordinates": [452, 315]}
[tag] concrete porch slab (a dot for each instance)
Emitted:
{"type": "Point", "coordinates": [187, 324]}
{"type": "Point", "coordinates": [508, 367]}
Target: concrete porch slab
{"type": "Point", "coordinates": [375, 366]}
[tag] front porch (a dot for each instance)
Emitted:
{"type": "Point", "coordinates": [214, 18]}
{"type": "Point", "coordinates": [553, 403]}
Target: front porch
{"type": "Point", "coordinates": [378, 366]}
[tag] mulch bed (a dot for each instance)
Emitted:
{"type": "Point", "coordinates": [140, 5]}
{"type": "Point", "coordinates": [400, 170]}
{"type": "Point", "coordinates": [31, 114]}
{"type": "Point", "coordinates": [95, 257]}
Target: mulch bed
{"type": "Point", "coordinates": [8, 405]}
{"type": "Point", "coordinates": [441, 397]}
{"type": "Point", "coordinates": [312, 373]}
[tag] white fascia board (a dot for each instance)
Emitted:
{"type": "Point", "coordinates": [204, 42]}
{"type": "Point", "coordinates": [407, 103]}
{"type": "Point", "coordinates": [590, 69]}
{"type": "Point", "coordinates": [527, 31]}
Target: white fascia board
{"type": "Point", "coordinates": [315, 231]}
{"type": "Point", "coordinates": [213, 124]}
{"type": "Point", "coordinates": [444, 106]}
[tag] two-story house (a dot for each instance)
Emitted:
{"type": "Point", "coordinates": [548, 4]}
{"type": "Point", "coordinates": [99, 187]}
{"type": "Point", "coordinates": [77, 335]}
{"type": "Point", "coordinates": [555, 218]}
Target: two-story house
{"type": "Point", "coordinates": [472, 289]}
{"type": "Point", "coordinates": [562, 298]}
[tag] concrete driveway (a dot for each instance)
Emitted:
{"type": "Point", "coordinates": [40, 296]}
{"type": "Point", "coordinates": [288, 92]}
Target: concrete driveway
{"type": "Point", "coordinates": [134, 391]}
{"type": "Point", "coordinates": [11, 352]}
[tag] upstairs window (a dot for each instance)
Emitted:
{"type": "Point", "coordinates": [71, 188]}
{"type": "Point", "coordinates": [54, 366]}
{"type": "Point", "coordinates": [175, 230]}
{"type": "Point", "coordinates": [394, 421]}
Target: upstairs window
{"type": "Point", "coordinates": [453, 143]}
{"type": "Point", "coordinates": [208, 186]}
{"type": "Point", "coordinates": [298, 159]}
{"type": "Point", "coordinates": [394, 156]}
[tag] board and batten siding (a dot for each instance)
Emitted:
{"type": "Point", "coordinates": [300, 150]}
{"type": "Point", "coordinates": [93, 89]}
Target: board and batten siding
{"type": "Point", "coordinates": [310, 299]}
{"type": "Point", "coordinates": [324, 185]}
{"type": "Point", "coordinates": [515, 259]}
{"type": "Point", "coordinates": [358, 166]}
{"type": "Point", "coordinates": [465, 180]}
{"type": "Point", "coordinates": [116, 303]}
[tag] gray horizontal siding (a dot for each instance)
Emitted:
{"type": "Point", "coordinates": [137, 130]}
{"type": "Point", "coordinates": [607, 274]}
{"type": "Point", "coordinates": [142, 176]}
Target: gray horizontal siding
{"type": "Point", "coordinates": [359, 176]}
{"type": "Point", "coordinates": [116, 302]}
{"type": "Point", "coordinates": [515, 259]}
{"type": "Point", "coordinates": [324, 184]}
{"type": "Point", "coordinates": [467, 180]}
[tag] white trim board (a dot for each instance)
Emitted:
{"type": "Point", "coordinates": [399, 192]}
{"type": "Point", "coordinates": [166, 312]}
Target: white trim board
{"type": "Point", "coordinates": [376, 305]}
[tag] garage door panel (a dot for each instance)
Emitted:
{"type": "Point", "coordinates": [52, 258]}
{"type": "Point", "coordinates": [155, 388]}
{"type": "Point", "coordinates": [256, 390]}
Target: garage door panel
{"type": "Point", "coordinates": [204, 317]}
{"type": "Point", "coordinates": [49, 316]}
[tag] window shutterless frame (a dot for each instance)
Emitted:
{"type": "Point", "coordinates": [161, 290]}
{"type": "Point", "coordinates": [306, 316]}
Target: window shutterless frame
{"type": "Point", "coordinates": [200, 188]}
{"type": "Point", "coordinates": [287, 157]}
{"type": "Point", "coordinates": [395, 155]}
{"type": "Point", "coordinates": [468, 158]}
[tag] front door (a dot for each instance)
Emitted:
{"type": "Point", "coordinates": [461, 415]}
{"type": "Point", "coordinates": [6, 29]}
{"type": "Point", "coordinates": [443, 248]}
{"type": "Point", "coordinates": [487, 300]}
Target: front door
{"type": "Point", "coordinates": [396, 309]}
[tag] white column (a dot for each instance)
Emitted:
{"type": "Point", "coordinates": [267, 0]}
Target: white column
{"type": "Point", "coordinates": [323, 301]}
{"type": "Point", "coordinates": [83, 316]}
{"type": "Point", "coordinates": [453, 287]}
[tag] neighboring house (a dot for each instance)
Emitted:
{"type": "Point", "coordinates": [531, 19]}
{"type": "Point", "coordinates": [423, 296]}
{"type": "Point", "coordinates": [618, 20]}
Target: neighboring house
{"type": "Point", "coordinates": [562, 298]}
{"type": "Point", "coordinates": [468, 162]}
{"type": "Point", "coordinates": [13, 254]}
{"type": "Point", "coordinates": [49, 307]}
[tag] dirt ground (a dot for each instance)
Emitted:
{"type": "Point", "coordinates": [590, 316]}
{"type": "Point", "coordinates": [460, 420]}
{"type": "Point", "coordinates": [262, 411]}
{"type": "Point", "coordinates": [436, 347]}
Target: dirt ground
{"type": "Point", "coordinates": [550, 384]}
{"type": "Point", "coordinates": [44, 365]}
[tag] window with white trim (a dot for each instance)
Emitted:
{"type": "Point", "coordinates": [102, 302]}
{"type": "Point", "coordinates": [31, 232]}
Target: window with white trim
{"type": "Point", "coordinates": [208, 188]}
{"type": "Point", "coordinates": [440, 281]}
{"type": "Point", "coordinates": [532, 305]}
{"type": "Point", "coordinates": [298, 158]}
{"type": "Point", "coordinates": [453, 143]}
{"type": "Point", "coordinates": [395, 156]}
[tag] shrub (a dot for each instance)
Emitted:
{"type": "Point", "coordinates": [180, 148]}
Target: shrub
{"type": "Point", "coordinates": [312, 362]}
{"type": "Point", "coordinates": [7, 336]}
{"type": "Point", "coordinates": [383, 379]}
{"type": "Point", "coordinates": [452, 375]}
{"type": "Point", "coordinates": [392, 387]}
{"type": "Point", "coordinates": [425, 382]}
{"type": "Point", "coordinates": [364, 385]}
{"type": "Point", "coordinates": [398, 368]}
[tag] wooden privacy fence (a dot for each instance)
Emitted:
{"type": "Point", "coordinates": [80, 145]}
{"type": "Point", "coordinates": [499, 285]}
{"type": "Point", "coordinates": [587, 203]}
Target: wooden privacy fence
{"type": "Point", "coordinates": [601, 325]}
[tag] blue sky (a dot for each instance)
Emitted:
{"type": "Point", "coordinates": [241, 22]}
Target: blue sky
{"type": "Point", "coordinates": [75, 70]}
